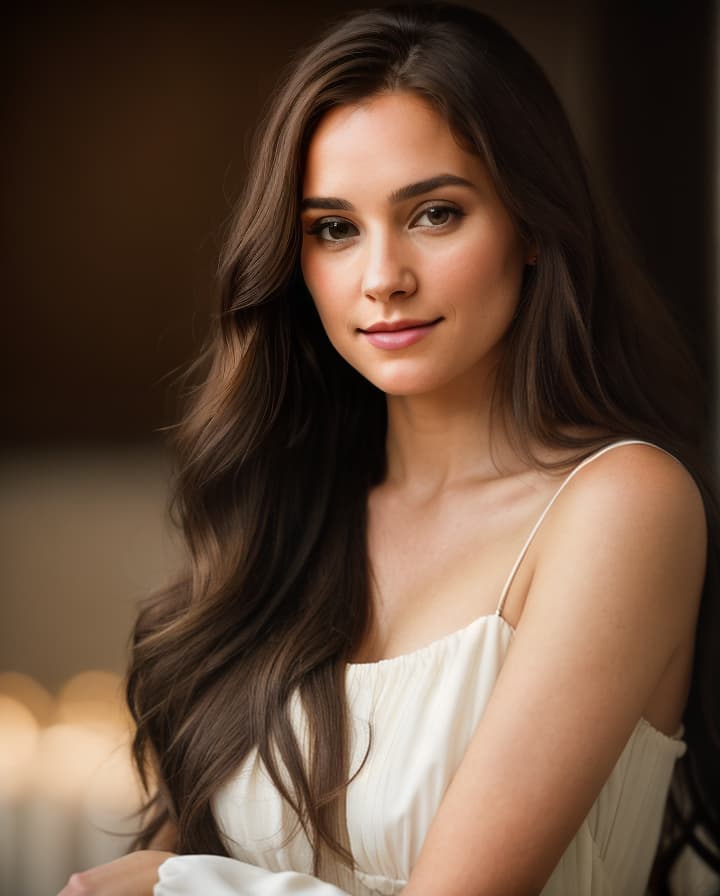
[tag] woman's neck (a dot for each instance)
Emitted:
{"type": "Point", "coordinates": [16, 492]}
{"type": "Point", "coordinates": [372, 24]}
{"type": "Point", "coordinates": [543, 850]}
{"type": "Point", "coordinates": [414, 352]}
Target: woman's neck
{"type": "Point", "coordinates": [443, 441]}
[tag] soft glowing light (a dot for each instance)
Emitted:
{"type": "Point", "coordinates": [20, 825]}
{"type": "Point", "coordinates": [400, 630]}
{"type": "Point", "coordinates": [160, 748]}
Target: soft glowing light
{"type": "Point", "coordinates": [18, 741]}
{"type": "Point", "coordinates": [27, 691]}
{"type": "Point", "coordinates": [66, 778]}
{"type": "Point", "coordinates": [67, 757]}
{"type": "Point", "coordinates": [113, 789]}
{"type": "Point", "coordinates": [93, 699]}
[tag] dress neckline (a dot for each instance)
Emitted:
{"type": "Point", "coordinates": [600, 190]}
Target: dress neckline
{"type": "Point", "coordinates": [433, 645]}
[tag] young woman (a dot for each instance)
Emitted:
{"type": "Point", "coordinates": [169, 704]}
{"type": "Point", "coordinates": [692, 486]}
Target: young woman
{"type": "Point", "coordinates": [450, 605]}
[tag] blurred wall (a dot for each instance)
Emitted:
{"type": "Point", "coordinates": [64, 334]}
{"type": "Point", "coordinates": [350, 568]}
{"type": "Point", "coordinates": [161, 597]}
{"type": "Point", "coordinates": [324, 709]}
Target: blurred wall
{"type": "Point", "coordinates": [84, 536]}
{"type": "Point", "coordinates": [126, 135]}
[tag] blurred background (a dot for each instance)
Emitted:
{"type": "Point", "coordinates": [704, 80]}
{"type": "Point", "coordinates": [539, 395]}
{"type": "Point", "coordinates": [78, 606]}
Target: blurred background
{"type": "Point", "coordinates": [127, 128]}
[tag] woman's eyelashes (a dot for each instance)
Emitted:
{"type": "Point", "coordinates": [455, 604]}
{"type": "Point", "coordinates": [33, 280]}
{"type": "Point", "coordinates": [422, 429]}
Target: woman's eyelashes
{"type": "Point", "coordinates": [340, 231]}
{"type": "Point", "coordinates": [438, 216]}
{"type": "Point", "coordinates": [332, 230]}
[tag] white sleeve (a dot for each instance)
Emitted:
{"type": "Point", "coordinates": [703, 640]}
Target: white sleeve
{"type": "Point", "coordinates": [220, 876]}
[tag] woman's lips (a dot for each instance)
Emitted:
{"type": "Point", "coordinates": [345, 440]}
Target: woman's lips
{"type": "Point", "coordinates": [401, 336]}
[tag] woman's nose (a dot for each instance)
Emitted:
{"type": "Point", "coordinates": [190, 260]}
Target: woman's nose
{"type": "Point", "coordinates": [388, 272]}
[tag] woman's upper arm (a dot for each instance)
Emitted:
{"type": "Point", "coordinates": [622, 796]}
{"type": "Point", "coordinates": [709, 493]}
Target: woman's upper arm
{"type": "Point", "coordinates": [614, 592]}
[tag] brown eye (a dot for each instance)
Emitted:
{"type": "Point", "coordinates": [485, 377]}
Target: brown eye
{"type": "Point", "coordinates": [339, 230]}
{"type": "Point", "coordinates": [333, 231]}
{"type": "Point", "coordinates": [437, 216]}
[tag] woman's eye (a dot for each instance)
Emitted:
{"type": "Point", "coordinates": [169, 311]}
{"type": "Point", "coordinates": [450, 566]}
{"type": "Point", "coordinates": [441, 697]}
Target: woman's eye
{"type": "Point", "coordinates": [437, 215]}
{"type": "Point", "coordinates": [333, 231]}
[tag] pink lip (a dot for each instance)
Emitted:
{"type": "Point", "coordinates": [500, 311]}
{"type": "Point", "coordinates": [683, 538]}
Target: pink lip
{"type": "Point", "coordinates": [387, 326]}
{"type": "Point", "coordinates": [398, 334]}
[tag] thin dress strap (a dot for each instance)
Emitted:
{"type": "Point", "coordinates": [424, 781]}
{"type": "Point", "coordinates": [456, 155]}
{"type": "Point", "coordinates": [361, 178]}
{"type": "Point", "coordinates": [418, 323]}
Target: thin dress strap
{"type": "Point", "coordinates": [523, 550]}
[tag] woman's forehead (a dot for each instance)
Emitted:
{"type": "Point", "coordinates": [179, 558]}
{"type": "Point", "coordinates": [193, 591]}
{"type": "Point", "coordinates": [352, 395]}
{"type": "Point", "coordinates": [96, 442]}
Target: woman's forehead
{"type": "Point", "coordinates": [384, 142]}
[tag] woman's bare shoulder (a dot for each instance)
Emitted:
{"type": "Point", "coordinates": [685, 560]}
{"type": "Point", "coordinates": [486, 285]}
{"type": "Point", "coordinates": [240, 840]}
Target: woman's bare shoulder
{"type": "Point", "coordinates": [634, 519]}
{"type": "Point", "coordinates": [640, 477]}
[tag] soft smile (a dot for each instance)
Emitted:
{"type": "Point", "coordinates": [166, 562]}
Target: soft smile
{"type": "Point", "coordinates": [398, 334]}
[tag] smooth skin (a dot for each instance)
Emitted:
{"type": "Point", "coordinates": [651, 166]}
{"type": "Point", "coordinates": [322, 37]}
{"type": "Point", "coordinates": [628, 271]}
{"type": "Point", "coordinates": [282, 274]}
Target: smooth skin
{"type": "Point", "coordinates": [451, 252]}
{"type": "Point", "coordinates": [604, 604]}
{"type": "Point", "coordinates": [132, 875]}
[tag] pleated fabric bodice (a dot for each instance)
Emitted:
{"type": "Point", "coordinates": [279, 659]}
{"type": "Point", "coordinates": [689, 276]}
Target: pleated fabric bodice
{"type": "Point", "coordinates": [424, 708]}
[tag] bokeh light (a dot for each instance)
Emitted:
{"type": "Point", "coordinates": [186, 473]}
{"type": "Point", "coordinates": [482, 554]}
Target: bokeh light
{"type": "Point", "coordinates": [27, 691]}
{"type": "Point", "coordinates": [18, 740]}
{"type": "Point", "coordinates": [66, 779]}
{"type": "Point", "coordinates": [93, 699]}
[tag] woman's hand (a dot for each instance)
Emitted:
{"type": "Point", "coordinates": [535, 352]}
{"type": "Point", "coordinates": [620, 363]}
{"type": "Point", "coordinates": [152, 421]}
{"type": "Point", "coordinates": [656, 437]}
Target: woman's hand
{"type": "Point", "coordinates": [132, 875]}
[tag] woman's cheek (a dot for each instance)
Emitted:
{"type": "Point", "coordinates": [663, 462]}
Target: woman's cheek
{"type": "Point", "coordinates": [325, 291]}
{"type": "Point", "coordinates": [312, 275]}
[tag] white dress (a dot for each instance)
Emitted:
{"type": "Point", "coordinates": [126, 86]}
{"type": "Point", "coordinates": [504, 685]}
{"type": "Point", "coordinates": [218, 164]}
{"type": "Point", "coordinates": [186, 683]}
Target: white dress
{"type": "Point", "coordinates": [424, 707]}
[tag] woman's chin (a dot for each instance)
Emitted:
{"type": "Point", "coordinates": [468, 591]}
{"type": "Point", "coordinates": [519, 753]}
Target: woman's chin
{"type": "Point", "coordinates": [407, 386]}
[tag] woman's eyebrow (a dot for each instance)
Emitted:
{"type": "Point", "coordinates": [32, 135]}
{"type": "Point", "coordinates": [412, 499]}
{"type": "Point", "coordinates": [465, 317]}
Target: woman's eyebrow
{"type": "Point", "coordinates": [400, 195]}
{"type": "Point", "coordinates": [428, 185]}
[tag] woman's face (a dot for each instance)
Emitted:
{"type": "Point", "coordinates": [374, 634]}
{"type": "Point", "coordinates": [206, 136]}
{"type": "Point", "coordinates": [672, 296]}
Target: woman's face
{"type": "Point", "coordinates": [413, 262]}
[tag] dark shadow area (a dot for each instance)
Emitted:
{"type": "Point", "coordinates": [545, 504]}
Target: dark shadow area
{"type": "Point", "coordinates": [127, 129]}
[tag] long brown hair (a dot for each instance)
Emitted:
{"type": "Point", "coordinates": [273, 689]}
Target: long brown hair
{"type": "Point", "coordinates": [282, 440]}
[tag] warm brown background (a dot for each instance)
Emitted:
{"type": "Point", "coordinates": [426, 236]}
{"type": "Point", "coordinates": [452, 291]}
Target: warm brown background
{"type": "Point", "coordinates": [125, 139]}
